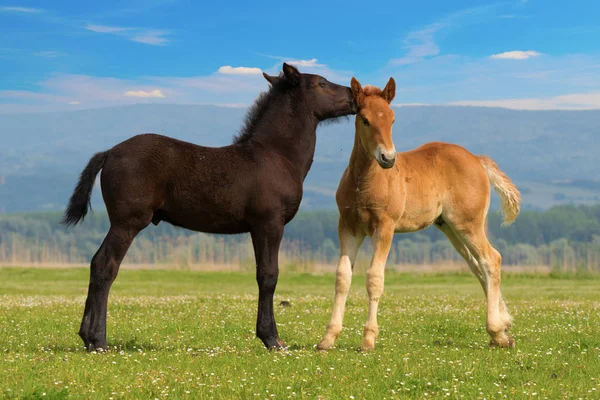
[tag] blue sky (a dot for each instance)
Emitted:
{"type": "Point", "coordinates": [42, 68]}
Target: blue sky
{"type": "Point", "coordinates": [67, 55]}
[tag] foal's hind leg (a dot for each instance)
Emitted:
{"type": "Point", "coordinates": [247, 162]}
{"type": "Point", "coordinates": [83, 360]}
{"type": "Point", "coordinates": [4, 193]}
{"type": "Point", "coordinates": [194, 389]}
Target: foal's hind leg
{"type": "Point", "coordinates": [104, 268]}
{"type": "Point", "coordinates": [349, 245]}
{"type": "Point", "coordinates": [486, 262]}
{"type": "Point", "coordinates": [382, 241]}
{"type": "Point", "coordinates": [462, 249]}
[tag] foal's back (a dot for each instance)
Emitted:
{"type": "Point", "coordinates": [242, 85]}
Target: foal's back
{"type": "Point", "coordinates": [200, 188]}
{"type": "Point", "coordinates": [442, 164]}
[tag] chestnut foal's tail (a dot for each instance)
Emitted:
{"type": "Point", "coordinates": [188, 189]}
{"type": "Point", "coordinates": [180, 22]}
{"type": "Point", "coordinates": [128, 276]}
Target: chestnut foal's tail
{"type": "Point", "coordinates": [80, 199]}
{"type": "Point", "coordinates": [506, 189]}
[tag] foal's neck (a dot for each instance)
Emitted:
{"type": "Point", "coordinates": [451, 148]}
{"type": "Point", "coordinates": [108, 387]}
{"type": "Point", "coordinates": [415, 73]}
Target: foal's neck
{"type": "Point", "coordinates": [362, 164]}
{"type": "Point", "coordinates": [290, 130]}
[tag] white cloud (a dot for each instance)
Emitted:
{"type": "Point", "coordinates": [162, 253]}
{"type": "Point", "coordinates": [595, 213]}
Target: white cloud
{"type": "Point", "coordinates": [310, 66]}
{"type": "Point", "coordinates": [516, 55]}
{"type": "Point", "coordinates": [576, 101]}
{"type": "Point", "coordinates": [145, 94]}
{"type": "Point", "coordinates": [229, 70]}
{"type": "Point", "coordinates": [408, 104]}
{"type": "Point", "coordinates": [233, 105]}
{"type": "Point", "coordinates": [312, 63]}
{"type": "Point", "coordinates": [48, 54]}
{"type": "Point", "coordinates": [154, 38]}
{"type": "Point", "coordinates": [20, 9]}
{"type": "Point", "coordinates": [106, 29]}
{"type": "Point", "coordinates": [74, 103]}
{"type": "Point", "coordinates": [419, 45]}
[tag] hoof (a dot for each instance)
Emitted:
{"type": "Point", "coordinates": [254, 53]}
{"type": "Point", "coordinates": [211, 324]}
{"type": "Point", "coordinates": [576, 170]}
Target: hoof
{"type": "Point", "coordinates": [327, 342]}
{"type": "Point", "coordinates": [91, 344]}
{"type": "Point", "coordinates": [281, 344]}
{"type": "Point", "coordinates": [507, 342]}
{"type": "Point", "coordinates": [86, 342]}
{"type": "Point", "coordinates": [367, 345]}
{"type": "Point", "coordinates": [97, 346]}
{"type": "Point", "coordinates": [274, 343]}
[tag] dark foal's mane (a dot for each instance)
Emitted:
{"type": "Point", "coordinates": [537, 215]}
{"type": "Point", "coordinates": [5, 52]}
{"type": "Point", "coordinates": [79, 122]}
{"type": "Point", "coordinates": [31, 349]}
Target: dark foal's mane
{"type": "Point", "coordinates": [264, 103]}
{"type": "Point", "coordinates": [259, 109]}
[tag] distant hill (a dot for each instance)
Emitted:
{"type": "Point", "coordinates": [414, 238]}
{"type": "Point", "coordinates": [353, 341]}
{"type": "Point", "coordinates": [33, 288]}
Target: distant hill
{"type": "Point", "coordinates": [552, 155]}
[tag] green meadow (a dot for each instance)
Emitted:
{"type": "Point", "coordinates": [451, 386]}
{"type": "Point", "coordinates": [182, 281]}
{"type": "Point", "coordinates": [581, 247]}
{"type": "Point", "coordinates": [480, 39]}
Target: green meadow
{"type": "Point", "coordinates": [182, 334]}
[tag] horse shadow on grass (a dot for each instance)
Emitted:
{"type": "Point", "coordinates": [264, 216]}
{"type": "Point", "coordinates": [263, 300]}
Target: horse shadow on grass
{"type": "Point", "coordinates": [450, 342]}
{"type": "Point", "coordinates": [127, 346]}
{"type": "Point", "coordinates": [313, 347]}
{"type": "Point", "coordinates": [442, 342]}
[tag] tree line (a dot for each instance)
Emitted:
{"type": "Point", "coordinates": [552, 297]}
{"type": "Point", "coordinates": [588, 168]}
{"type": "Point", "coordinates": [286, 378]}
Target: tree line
{"type": "Point", "coordinates": [564, 237]}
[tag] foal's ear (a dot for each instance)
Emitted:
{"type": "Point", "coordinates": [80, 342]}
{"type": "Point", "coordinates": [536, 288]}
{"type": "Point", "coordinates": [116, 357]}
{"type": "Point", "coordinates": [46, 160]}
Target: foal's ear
{"type": "Point", "coordinates": [291, 73]}
{"type": "Point", "coordinates": [271, 79]}
{"type": "Point", "coordinates": [389, 92]}
{"type": "Point", "coordinates": [356, 87]}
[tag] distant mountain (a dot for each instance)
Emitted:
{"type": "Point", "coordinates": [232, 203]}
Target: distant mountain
{"type": "Point", "coordinates": [552, 155]}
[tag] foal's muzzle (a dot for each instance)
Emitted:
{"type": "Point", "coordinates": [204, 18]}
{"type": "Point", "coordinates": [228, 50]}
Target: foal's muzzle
{"type": "Point", "coordinates": [385, 158]}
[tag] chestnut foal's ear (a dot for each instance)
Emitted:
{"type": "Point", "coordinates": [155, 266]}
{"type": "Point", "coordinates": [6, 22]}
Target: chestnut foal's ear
{"type": "Point", "coordinates": [291, 73]}
{"type": "Point", "coordinates": [390, 91]}
{"type": "Point", "coordinates": [356, 87]}
{"type": "Point", "coordinates": [271, 79]}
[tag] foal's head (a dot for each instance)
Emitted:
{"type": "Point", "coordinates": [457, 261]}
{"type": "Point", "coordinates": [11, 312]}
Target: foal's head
{"type": "Point", "coordinates": [374, 120]}
{"type": "Point", "coordinates": [325, 99]}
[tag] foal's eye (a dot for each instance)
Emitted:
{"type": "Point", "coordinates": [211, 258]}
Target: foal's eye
{"type": "Point", "coordinates": [365, 122]}
{"type": "Point", "coordinates": [322, 84]}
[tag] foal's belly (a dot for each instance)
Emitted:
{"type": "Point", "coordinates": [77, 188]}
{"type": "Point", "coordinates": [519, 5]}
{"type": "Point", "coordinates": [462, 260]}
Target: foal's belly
{"type": "Point", "coordinates": [203, 222]}
{"type": "Point", "coordinates": [418, 217]}
{"type": "Point", "coordinates": [209, 218]}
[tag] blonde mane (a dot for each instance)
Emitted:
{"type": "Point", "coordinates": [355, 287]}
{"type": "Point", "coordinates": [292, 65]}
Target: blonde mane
{"type": "Point", "coordinates": [370, 90]}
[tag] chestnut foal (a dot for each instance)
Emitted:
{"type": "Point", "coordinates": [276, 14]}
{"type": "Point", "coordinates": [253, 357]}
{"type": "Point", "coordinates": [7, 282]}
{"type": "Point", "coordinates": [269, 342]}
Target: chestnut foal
{"type": "Point", "coordinates": [382, 193]}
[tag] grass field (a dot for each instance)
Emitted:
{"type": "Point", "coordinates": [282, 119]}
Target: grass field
{"type": "Point", "coordinates": [191, 335]}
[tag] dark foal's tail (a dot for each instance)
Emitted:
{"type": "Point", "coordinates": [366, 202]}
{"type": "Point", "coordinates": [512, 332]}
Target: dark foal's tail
{"type": "Point", "coordinates": [80, 199]}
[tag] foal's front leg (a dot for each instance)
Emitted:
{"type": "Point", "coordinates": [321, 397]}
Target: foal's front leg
{"type": "Point", "coordinates": [349, 245]}
{"type": "Point", "coordinates": [266, 239]}
{"type": "Point", "coordinates": [382, 241]}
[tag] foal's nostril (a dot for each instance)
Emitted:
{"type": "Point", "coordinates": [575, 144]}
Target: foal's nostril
{"type": "Point", "coordinates": [387, 161]}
